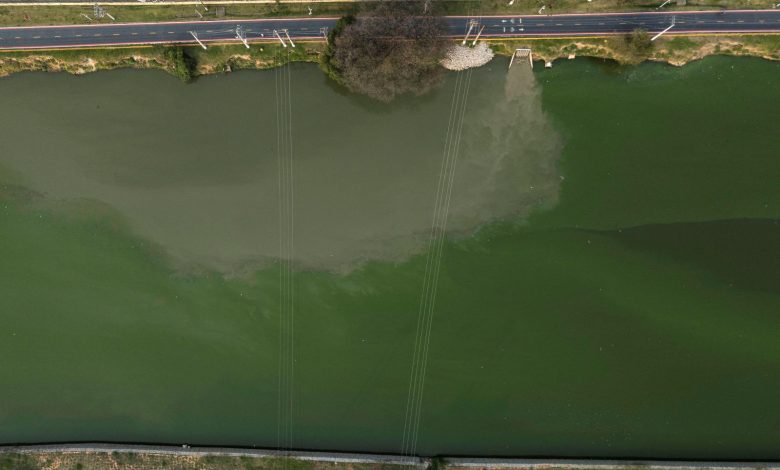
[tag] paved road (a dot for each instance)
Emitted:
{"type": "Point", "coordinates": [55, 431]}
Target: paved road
{"type": "Point", "coordinates": [93, 35]}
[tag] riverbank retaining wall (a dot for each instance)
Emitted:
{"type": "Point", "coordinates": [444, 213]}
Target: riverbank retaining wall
{"type": "Point", "coordinates": [389, 459]}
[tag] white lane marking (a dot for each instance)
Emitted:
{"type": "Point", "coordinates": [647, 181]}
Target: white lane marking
{"type": "Point", "coordinates": [17, 37]}
{"type": "Point", "coordinates": [171, 32]}
{"type": "Point", "coordinates": [98, 35]}
{"type": "Point", "coordinates": [36, 37]}
{"type": "Point", "coordinates": [78, 35]}
{"type": "Point", "coordinates": [134, 34]}
{"type": "Point", "coordinates": [153, 32]}
{"type": "Point", "coordinates": [57, 36]}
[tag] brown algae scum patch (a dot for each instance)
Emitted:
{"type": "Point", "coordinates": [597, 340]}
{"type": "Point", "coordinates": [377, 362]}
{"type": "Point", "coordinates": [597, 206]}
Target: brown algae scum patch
{"type": "Point", "coordinates": [193, 169]}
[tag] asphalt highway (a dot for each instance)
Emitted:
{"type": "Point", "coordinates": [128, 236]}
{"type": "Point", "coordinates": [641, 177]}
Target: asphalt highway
{"type": "Point", "coordinates": [121, 34]}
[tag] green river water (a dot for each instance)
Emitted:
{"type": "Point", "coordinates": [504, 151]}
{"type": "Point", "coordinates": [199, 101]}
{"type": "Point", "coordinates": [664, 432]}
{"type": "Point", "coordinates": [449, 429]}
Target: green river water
{"type": "Point", "coordinates": [610, 285]}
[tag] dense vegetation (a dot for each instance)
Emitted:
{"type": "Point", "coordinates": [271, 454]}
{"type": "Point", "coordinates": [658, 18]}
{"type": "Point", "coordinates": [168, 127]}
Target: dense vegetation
{"type": "Point", "coordinates": [182, 64]}
{"type": "Point", "coordinates": [392, 50]}
{"type": "Point", "coordinates": [634, 47]}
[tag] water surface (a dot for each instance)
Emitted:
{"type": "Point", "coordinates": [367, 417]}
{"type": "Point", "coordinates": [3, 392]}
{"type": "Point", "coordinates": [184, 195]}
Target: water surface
{"type": "Point", "coordinates": [610, 285]}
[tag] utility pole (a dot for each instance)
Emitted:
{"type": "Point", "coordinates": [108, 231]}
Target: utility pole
{"type": "Point", "coordinates": [472, 24]}
{"type": "Point", "coordinates": [276, 33]}
{"type": "Point", "coordinates": [324, 33]}
{"type": "Point", "coordinates": [478, 34]}
{"type": "Point", "coordinates": [100, 12]}
{"type": "Point", "coordinates": [286, 33]}
{"type": "Point", "coordinates": [241, 35]}
{"type": "Point", "coordinates": [662, 32]}
{"type": "Point", "coordinates": [663, 4]}
{"type": "Point", "coordinates": [87, 17]}
{"type": "Point", "coordinates": [195, 36]}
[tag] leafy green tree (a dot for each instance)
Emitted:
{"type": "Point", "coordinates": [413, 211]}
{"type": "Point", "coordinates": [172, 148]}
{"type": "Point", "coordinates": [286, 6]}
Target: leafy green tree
{"type": "Point", "coordinates": [182, 64]}
{"type": "Point", "coordinates": [634, 47]}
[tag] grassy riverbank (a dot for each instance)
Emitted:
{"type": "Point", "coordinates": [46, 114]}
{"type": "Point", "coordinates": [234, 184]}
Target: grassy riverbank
{"type": "Point", "coordinates": [217, 59]}
{"type": "Point", "coordinates": [673, 50]}
{"type": "Point", "coordinates": [26, 15]}
{"type": "Point", "coordinates": [142, 461]}
{"type": "Point", "coordinates": [226, 58]}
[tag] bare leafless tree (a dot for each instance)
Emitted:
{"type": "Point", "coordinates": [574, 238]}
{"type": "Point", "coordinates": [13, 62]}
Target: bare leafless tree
{"type": "Point", "coordinates": [391, 50]}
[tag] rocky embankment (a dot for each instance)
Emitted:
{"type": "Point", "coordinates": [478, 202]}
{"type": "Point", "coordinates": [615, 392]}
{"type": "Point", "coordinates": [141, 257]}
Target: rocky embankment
{"type": "Point", "coordinates": [462, 57]}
